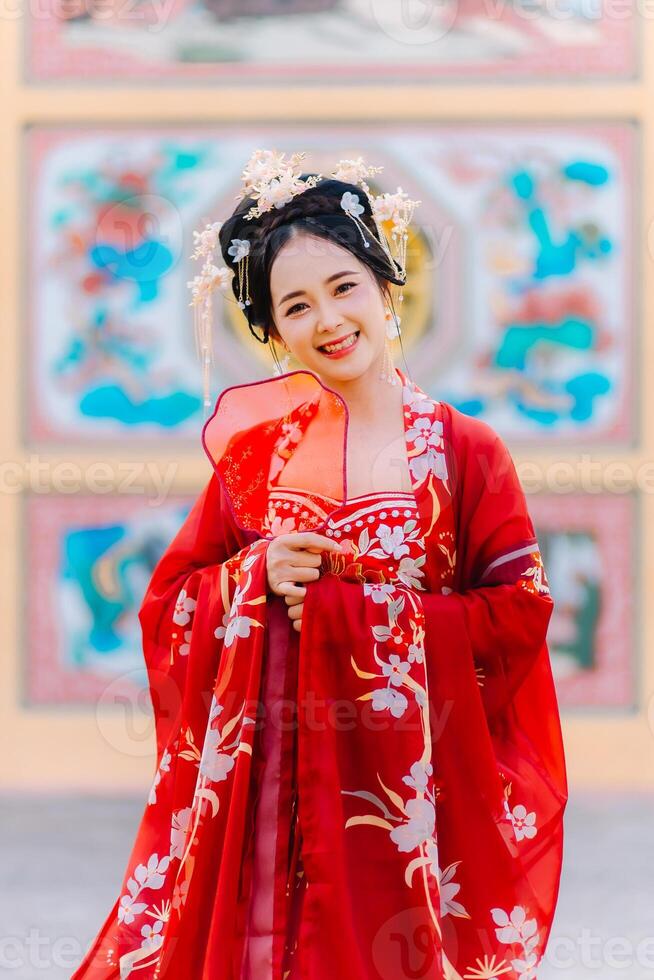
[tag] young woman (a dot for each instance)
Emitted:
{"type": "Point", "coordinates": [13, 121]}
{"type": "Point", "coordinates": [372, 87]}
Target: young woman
{"type": "Point", "coordinates": [360, 771]}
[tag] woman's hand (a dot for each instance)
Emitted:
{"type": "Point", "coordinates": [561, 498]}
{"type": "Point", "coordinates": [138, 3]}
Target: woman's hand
{"type": "Point", "coordinates": [291, 560]}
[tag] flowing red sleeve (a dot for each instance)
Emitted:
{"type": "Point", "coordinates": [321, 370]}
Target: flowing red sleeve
{"type": "Point", "coordinates": [189, 584]}
{"type": "Point", "coordinates": [203, 621]}
{"type": "Point", "coordinates": [495, 766]}
{"type": "Point", "coordinates": [499, 567]}
{"type": "Point", "coordinates": [491, 684]}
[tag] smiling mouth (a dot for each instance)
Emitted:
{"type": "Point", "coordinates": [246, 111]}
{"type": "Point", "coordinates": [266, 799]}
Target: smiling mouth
{"type": "Point", "coordinates": [348, 341]}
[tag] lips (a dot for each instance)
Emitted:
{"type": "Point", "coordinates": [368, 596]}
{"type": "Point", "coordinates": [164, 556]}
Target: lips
{"type": "Point", "coordinates": [354, 333]}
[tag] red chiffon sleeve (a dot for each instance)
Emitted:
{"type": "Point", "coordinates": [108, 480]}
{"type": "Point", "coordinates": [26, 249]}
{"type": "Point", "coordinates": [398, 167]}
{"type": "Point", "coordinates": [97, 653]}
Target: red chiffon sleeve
{"type": "Point", "coordinates": [194, 580]}
{"type": "Point", "coordinates": [499, 567]}
{"type": "Point", "coordinates": [484, 819]}
{"type": "Point", "coordinates": [203, 620]}
{"type": "Point", "coordinates": [489, 669]}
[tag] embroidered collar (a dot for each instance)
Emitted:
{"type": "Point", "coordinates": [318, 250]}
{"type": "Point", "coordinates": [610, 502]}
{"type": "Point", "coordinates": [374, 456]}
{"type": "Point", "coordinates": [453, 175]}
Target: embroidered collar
{"type": "Point", "coordinates": [256, 427]}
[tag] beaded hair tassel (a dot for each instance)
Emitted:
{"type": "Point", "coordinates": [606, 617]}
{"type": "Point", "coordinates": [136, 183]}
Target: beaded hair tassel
{"type": "Point", "coordinates": [211, 277]}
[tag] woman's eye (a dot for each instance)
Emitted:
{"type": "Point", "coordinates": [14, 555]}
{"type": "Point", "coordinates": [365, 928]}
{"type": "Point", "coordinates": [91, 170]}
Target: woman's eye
{"type": "Point", "coordinates": [297, 306]}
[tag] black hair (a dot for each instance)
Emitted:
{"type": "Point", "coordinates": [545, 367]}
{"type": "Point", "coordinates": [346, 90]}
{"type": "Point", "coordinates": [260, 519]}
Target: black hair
{"type": "Point", "coordinates": [316, 211]}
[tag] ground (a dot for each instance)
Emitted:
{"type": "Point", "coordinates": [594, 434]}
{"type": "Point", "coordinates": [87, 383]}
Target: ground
{"type": "Point", "coordinates": [64, 859]}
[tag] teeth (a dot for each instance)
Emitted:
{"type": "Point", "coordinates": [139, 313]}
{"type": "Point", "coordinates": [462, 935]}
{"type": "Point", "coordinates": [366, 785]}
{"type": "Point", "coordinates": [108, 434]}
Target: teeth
{"type": "Point", "coordinates": [344, 343]}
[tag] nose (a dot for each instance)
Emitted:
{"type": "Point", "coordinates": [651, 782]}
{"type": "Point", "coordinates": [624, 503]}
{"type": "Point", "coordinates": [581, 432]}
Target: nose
{"type": "Point", "coordinates": [328, 317]}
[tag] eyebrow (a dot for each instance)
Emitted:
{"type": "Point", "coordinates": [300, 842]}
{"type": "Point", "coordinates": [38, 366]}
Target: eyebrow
{"type": "Point", "coordinates": [301, 292]}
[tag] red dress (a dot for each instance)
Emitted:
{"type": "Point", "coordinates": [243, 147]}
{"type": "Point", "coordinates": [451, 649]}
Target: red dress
{"type": "Point", "coordinates": [393, 552]}
{"type": "Point", "coordinates": [380, 796]}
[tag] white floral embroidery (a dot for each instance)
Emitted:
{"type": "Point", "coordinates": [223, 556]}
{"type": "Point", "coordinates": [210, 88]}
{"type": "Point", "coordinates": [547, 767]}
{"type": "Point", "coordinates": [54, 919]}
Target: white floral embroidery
{"type": "Point", "coordinates": [388, 699]}
{"type": "Point", "coordinates": [418, 828]}
{"type": "Point", "coordinates": [392, 541]}
{"type": "Point", "coordinates": [215, 765]}
{"type": "Point", "coordinates": [524, 824]}
{"type": "Point", "coordinates": [426, 435]}
{"type": "Point", "coordinates": [280, 525]}
{"type": "Point", "coordinates": [129, 908]}
{"type": "Point", "coordinates": [378, 591]}
{"type": "Point", "coordinates": [180, 824]}
{"type": "Point", "coordinates": [416, 653]}
{"type": "Point", "coordinates": [220, 631]}
{"type": "Point", "coordinates": [151, 938]}
{"type": "Point", "coordinates": [183, 609]}
{"type": "Point", "coordinates": [164, 766]}
{"type": "Point", "coordinates": [145, 876]}
{"type": "Point", "coordinates": [409, 572]}
{"type": "Point", "coordinates": [429, 462]}
{"type": "Point", "coordinates": [414, 399]}
{"type": "Point", "coordinates": [216, 710]}
{"type": "Point", "coordinates": [396, 669]}
{"type": "Point", "coordinates": [426, 432]}
{"type": "Point", "coordinates": [448, 889]}
{"type": "Point", "coordinates": [517, 928]}
{"type": "Point", "coordinates": [418, 778]}
{"type": "Point", "coordinates": [237, 626]}
{"type": "Point", "coordinates": [220, 749]}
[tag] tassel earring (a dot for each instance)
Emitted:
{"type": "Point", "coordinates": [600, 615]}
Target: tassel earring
{"type": "Point", "coordinates": [388, 372]}
{"type": "Point", "coordinates": [280, 366]}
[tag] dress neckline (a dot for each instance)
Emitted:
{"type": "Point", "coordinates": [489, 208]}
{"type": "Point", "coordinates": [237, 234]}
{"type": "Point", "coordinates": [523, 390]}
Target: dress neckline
{"type": "Point", "coordinates": [350, 500]}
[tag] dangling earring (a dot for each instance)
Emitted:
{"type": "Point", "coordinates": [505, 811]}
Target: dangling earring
{"type": "Point", "coordinates": [280, 367]}
{"type": "Point", "coordinates": [387, 372]}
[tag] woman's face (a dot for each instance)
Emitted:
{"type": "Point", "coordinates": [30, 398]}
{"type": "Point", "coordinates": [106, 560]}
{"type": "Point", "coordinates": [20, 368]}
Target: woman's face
{"type": "Point", "coordinates": [321, 293]}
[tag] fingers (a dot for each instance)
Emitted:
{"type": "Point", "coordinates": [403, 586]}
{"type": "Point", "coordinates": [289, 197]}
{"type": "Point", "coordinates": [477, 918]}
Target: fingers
{"type": "Point", "coordinates": [295, 615]}
{"type": "Point", "coordinates": [295, 612]}
{"type": "Point", "coordinates": [303, 573]}
{"type": "Point", "coordinates": [292, 593]}
{"type": "Point", "coordinates": [305, 559]}
{"type": "Point", "coordinates": [295, 558]}
{"type": "Point", "coordinates": [311, 541]}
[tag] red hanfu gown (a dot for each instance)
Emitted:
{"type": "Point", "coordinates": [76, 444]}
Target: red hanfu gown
{"type": "Point", "coordinates": [381, 796]}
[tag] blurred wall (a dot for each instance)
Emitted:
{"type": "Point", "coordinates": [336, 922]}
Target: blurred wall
{"type": "Point", "coordinates": [90, 495]}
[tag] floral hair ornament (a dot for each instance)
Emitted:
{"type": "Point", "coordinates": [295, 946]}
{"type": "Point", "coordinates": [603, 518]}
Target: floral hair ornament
{"type": "Point", "coordinates": [397, 208]}
{"type": "Point", "coordinates": [211, 277]}
{"type": "Point", "coordinates": [272, 181]}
